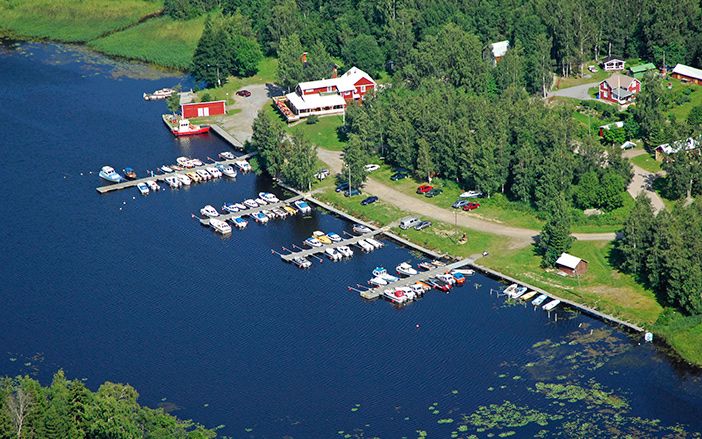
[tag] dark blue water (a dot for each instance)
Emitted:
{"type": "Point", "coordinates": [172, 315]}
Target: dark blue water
{"type": "Point", "coordinates": [127, 288]}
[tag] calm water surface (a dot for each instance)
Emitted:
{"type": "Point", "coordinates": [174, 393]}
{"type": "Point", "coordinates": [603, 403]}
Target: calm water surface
{"type": "Point", "coordinates": [131, 289]}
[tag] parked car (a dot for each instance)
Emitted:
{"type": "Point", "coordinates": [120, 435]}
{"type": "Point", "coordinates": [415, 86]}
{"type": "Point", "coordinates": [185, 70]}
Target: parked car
{"type": "Point", "coordinates": [369, 200]}
{"type": "Point", "coordinates": [244, 93]}
{"type": "Point", "coordinates": [471, 194]}
{"type": "Point", "coordinates": [408, 222]}
{"type": "Point", "coordinates": [342, 187]}
{"type": "Point", "coordinates": [628, 145]}
{"type": "Point", "coordinates": [422, 225]}
{"type": "Point", "coordinates": [423, 189]}
{"type": "Point", "coordinates": [322, 174]}
{"type": "Point", "coordinates": [352, 192]}
{"type": "Point", "coordinates": [434, 192]}
{"type": "Point", "coordinates": [471, 206]}
{"type": "Point", "coordinates": [371, 167]}
{"type": "Point", "coordinates": [398, 176]}
{"type": "Point", "coordinates": [459, 203]}
{"type": "Point", "coordinates": [592, 69]}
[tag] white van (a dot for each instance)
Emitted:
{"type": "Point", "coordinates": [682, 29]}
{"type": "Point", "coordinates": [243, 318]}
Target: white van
{"type": "Point", "coordinates": [408, 222]}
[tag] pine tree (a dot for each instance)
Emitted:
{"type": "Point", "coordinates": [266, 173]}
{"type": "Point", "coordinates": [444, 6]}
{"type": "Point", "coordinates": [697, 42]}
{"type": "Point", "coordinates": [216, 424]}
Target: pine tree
{"type": "Point", "coordinates": [555, 236]}
{"type": "Point", "coordinates": [211, 61]}
{"type": "Point", "coordinates": [425, 166]}
{"type": "Point", "coordinates": [637, 236]}
{"type": "Point", "coordinates": [290, 67]}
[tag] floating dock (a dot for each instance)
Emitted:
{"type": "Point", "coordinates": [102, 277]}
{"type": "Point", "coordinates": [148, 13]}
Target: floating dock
{"type": "Point", "coordinates": [227, 137]}
{"type": "Point", "coordinates": [251, 211]}
{"type": "Point", "coordinates": [374, 293]}
{"type": "Point", "coordinates": [316, 250]}
{"type": "Point", "coordinates": [162, 177]}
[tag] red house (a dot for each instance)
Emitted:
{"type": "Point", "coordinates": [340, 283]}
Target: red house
{"type": "Point", "coordinates": [325, 96]}
{"type": "Point", "coordinates": [203, 109]}
{"type": "Point", "coordinates": [619, 89]}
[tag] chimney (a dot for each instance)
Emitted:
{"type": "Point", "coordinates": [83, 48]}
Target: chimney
{"type": "Point", "coordinates": [303, 58]}
{"type": "Point", "coordinates": [334, 72]}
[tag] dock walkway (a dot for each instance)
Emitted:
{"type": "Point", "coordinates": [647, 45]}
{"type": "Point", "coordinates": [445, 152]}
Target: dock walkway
{"type": "Point", "coordinates": [374, 293]}
{"type": "Point", "coordinates": [251, 211]}
{"type": "Point", "coordinates": [162, 177]}
{"type": "Point", "coordinates": [227, 137]}
{"type": "Point", "coordinates": [350, 241]}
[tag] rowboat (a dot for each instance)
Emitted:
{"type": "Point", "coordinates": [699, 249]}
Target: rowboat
{"type": "Point", "coordinates": [539, 300]}
{"type": "Point", "coordinates": [528, 295]}
{"type": "Point", "coordinates": [551, 305]}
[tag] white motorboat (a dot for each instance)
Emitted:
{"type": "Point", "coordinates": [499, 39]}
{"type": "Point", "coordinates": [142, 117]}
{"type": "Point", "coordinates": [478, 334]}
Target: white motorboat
{"type": "Point", "coordinates": [196, 162]}
{"type": "Point", "coordinates": [279, 213]}
{"type": "Point", "coordinates": [268, 197]}
{"type": "Point", "coordinates": [166, 169]}
{"type": "Point", "coordinates": [334, 237]}
{"type": "Point", "coordinates": [312, 242]}
{"type": "Point", "coordinates": [375, 243]}
{"type": "Point", "coordinates": [518, 292]}
{"type": "Point", "coordinates": [465, 272]}
{"type": "Point", "coordinates": [251, 203]}
{"type": "Point", "coordinates": [364, 245]}
{"type": "Point", "coordinates": [183, 161]}
{"type": "Point", "coordinates": [382, 273]}
{"type": "Point", "coordinates": [194, 176]}
{"type": "Point", "coordinates": [405, 269]}
{"type": "Point", "coordinates": [184, 179]}
{"type": "Point", "coordinates": [302, 262]}
{"type": "Point", "coordinates": [378, 281]}
{"type": "Point", "coordinates": [345, 251]}
{"type": "Point", "coordinates": [539, 300]}
{"type": "Point", "coordinates": [333, 254]}
{"type": "Point", "coordinates": [209, 211]}
{"type": "Point", "coordinates": [509, 291]}
{"type": "Point", "coordinates": [239, 222]}
{"type": "Point", "coordinates": [109, 174]}
{"type": "Point", "coordinates": [153, 185]}
{"type": "Point", "coordinates": [213, 171]}
{"type": "Point", "coordinates": [446, 278]}
{"type": "Point", "coordinates": [221, 226]}
{"type": "Point", "coordinates": [243, 165]}
{"type": "Point", "coordinates": [302, 206]}
{"type": "Point", "coordinates": [360, 229]}
{"type": "Point", "coordinates": [230, 208]}
{"type": "Point", "coordinates": [551, 305]}
{"type": "Point", "coordinates": [240, 206]}
{"type": "Point", "coordinates": [260, 202]}
{"type": "Point", "coordinates": [409, 292]}
{"type": "Point", "coordinates": [226, 155]}
{"type": "Point", "coordinates": [226, 170]}
{"type": "Point", "coordinates": [143, 188]}
{"type": "Point", "coordinates": [259, 217]}
{"type": "Point", "coordinates": [268, 213]}
{"type": "Point", "coordinates": [396, 296]}
{"type": "Point", "coordinates": [204, 174]}
{"type": "Point", "coordinates": [172, 181]}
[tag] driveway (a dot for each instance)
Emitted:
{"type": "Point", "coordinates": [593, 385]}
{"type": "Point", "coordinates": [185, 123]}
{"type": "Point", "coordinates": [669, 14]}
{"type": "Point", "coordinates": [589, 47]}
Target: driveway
{"type": "Point", "coordinates": [520, 237]}
{"type": "Point", "coordinates": [576, 92]}
{"type": "Point", "coordinates": [240, 124]}
{"type": "Point", "coordinates": [642, 181]}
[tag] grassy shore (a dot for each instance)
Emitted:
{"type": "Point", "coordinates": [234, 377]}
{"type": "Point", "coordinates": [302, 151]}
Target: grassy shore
{"type": "Point", "coordinates": [163, 41]}
{"type": "Point", "coordinates": [71, 20]}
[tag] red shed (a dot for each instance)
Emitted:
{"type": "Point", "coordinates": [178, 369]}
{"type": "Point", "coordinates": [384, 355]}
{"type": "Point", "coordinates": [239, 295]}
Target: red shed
{"type": "Point", "coordinates": [571, 265]}
{"type": "Point", "coordinates": [202, 109]}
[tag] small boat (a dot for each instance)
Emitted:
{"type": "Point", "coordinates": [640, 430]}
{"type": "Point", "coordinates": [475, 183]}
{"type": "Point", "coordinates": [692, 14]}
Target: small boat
{"type": "Point", "coordinates": [268, 213]}
{"type": "Point", "coordinates": [260, 217]}
{"type": "Point", "coordinates": [439, 284]}
{"type": "Point", "coordinates": [239, 222]}
{"type": "Point", "coordinates": [302, 206]}
{"type": "Point", "coordinates": [226, 155]}
{"type": "Point", "coordinates": [333, 254]}
{"type": "Point", "coordinates": [460, 279]}
{"type": "Point", "coordinates": [426, 266]}
{"type": "Point", "coordinates": [290, 210]}
{"type": "Point", "coordinates": [438, 263]}
{"type": "Point", "coordinates": [209, 211]}
{"type": "Point", "coordinates": [360, 229]}
{"type": "Point", "coordinates": [184, 179]}
{"type": "Point", "coordinates": [269, 197]}
{"type": "Point", "coordinates": [230, 208]}
{"type": "Point", "coordinates": [528, 295]}
{"type": "Point", "coordinates": [226, 170]}
{"type": "Point", "coordinates": [302, 262]}
{"type": "Point", "coordinates": [423, 285]}
{"type": "Point", "coordinates": [334, 237]}
{"type": "Point", "coordinates": [260, 202]}
{"type": "Point", "coordinates": [176, 167]}
{"type": "Point", "coordinates": [143, 188]}
{"type": "Point", "coordinates": [345, 251]}
{"type": "Point", "coordinates": [184, 162]}
{"type": "Point", "coordinates": [509, 291]}
{"type": "Point", "coordinates": [312, 242]}
{"type": "Point", "coordinates": [465, 272]}
{"type": "Point", "coordinates": [160, 94]}
{"type": "Point", "coordinates": [109, 174]}
{"type": "Point", "coordinates": [405, 269]}
{"type": "Point", "coordinates": [153, 185]}
{"type": "Point", "coordinates": [446, 278]}
{"type": "Point", "coordinates": [213, 171]}
{"type": "Point", "coordinates": [251, 203]}
{"type": "Point", "coordinates": [240, 206]}
{"type": "Point", "coordinates": [172, 181]}
{"type": "Point", "coordinates": [551, 305]}
{"type": "Point", "coordinates": [364, 245]}
{"type": "Point", "coordinates": [196, 162]}
{"type": "Point", "coordinates": [409, 293]}
{"type": "Point", "coordinates": [539, 300]}
{"type": "Point", "coordinates": [518, 292]}
{"type": "Point", "coordinates": [396, 296]}
{"type": "Point", "coordinates": [382, 273]}
{"type": "Point", "coordinates": [243, 165]}
{"type": "Point", "coordinates": [129, 173]}
{"type": "Point", "coordinates": [180, 126]}
{"type": "Point", "coordinates": [280, 213]}
{"type": "Point", "coordinates": [417, 289]}
{"type": "Point", "coordinates": [193, 176]}
{"type": "Point", "coordinates": [221, 226]}
{"type": "Point", "coordinates": [166, 169]}
{"type": "Point", "coordinates": [321, 237]}
{"type": "Point", "coordinates": [378, 281]}
{"type": "Point", "coordinates": [204, 174]}
{"type": "Point", "coordinates": [375, 243]}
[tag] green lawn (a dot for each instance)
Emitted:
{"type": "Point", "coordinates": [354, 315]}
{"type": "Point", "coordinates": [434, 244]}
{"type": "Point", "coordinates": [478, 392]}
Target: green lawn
{"type": "Point", "coordinates": [681, 111]}
{"type": "Point", "coordinates": [647, 162]}
{"type": "Point", "coordinates": [266, 74]}
{"type": "Point", "coordinates": [162, 41]}
{"type": "Point", "coordinates": [324, 133]}
{"type": "Point", "coordinates": [683, 334]}
{"type": "Point", "coordinates": [71, 20]}
{"type": "Point", "coordinates": [573, 81]}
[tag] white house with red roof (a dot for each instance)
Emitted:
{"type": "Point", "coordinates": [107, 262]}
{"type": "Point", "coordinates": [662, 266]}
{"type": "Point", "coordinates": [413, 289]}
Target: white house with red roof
{"type": "Point", "coordinates": [325, 96]}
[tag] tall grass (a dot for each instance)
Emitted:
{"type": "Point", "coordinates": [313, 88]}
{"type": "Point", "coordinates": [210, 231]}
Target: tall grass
{"type": "Point", "coordinates": [162, 41]}
{"type": "Point", "coordinates": [72, 20]}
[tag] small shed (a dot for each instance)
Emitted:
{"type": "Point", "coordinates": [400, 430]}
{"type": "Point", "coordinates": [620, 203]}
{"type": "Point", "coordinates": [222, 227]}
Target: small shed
{"type": "Point", "coordinates": [639, 71]}
{"type": "Point", "coordinates": [571, 265]}
{"type": "Point", "coordinates": [498, 50]}
{"type": "Point", "coordinates": [612, 64]}
{"type": "Point", "coordinates": [687, 74]}
{"type": "Point", "coordinates": [203, 109]}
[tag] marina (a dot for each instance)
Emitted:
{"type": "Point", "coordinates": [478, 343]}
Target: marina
{"type": "Point", "coordinates": [289, 257]}
{"type": "Point", "coordinates": [252, 211]}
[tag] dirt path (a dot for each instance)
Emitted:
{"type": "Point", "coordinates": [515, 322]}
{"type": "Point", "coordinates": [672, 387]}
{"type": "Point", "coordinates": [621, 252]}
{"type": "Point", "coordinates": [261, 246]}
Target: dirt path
{"type": "Point", "coordinates": [643, 181]}
{"type": "Point", "coordinates": [576, 92]}
{"type": "Point", "coordinates": [520, 237]}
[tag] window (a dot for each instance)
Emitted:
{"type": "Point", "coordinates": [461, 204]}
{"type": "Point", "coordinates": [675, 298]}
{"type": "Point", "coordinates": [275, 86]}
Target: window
{"type": "Point", "coordinates": [363, 89]}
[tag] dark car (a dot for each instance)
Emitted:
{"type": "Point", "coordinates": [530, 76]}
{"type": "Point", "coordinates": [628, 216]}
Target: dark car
{"type": "Point", "coordinates": [471, 206]}
{"type": "Point", "coordinates": [244, 93]}
{"type": "Point", "coordinates": [423, 189]}
{"type": "Point", "coordinates": [369, 200]}
{"type": "Point", "coordinates": [423, 225]}
{"type": "Point", "coordinates": [432, 193]}
{"type": "Point", "coordinates": [398, 176]}
{"type": "Point", "coordinates": [342, 187]}
{"type": "Point", "coordinates": [351, 192]}
{"type": "Point", "coordinates": [460, 203]}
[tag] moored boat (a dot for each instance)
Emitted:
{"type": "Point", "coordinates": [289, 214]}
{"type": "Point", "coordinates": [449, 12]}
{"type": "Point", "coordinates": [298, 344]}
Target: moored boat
{"type": "Point", "coordinates": [302, 262]}
{"type": "Point", "coordinates": [426, 266]}
{"type": "Point", "coordinates": [213, 171]}
{"type": "Point", "coordinates": [321, 237]}
{"type": "Point", "coordinates": [260, 217]}
{"type": "Point", "coordinates": [312, 242]}
{"type": "Point", "coordinates": [268, 197]}
{"type": "Point", "coordinates": [302, 206]}
{"type": "Point", "coordinates": [364, 245]}
{"type": "Point", "coordinates": [290, 210]}
{"type": "Point", "coordinates": [226, 155]}
{"type": "Point", "coordinates": [551, 305]}
{"type": "Point", "coordinates": [153, 185]}
{"type": "Point", "coordinates": [360, 229]}
{"type": "Point", "coordinates": [220, 226]}
{"type": "Point", "coordinates": [260, 202]}
{"type": "Point", "coordinates": [378, 281]}
{"type": "Point", "coordinates": [243, 165]}
{"type": "Point", "coordinates": [251, 203]}
{"type": "Point", "coordinates": [184, 161]}
{"type": "Point", "coordinates": [382, 273]}
{"type": "Point", "coordinates": [279, 213]}
{"type": "Point", "coordinates": [109, 174]}
{"type": "Point", "coordinates": [395, 295]}
{"type": "Point", "coordinates": [129, 173]}
{"type": "Point", "coordinates": [240, 206]}
{"type": "Point", "coordinates": [226, 170]}
{"type": "Point", "coordinates": [375, 243]}
{"type": "Point", "coordinates": [209, 211]}
{"type": "Point", "coordinates": [181, 126]}
{"type": "Point", "coordinates": [345, 251]}
{"type": "Point", "coordinates": [230, 208]}
{"type": "Point", "coordinates": [143, 188]}
{"type": "Point", "coordinates": [239, 222]}
{"type": "Point", "coordinates": [184, 179]}
{"type": "Point", "coordinates": [204, 175]}
{"type": "Point", "coordinates": [518, 292]}
{"type": "Point", "coordinates": [528, 295]}
{"type": "Point", "coordinates": [539, 300]}
{"type": "Point", "coordinates": [193, 176]}
{"type": "Point", "coordinates": [172, 181]}
{"type": "Point", "coordinates": [333, 254]}
{"type": "Point", "coordinates": [268, 213]}
{"type": "Point", "coordinates": [160, 94]}
{"type": "Point", "coordinates": [405, 269]}
{"type": "Point", "coordinates": [166, 169]}
{"type": "Point", "coordinates": [334, 237]}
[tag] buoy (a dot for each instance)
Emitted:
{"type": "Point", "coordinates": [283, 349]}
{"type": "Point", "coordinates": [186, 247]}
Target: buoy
{"type": "Point", "coordinates": [120, 208]}
{"type": "Point", "coordinates": [133, 198]}
{"type": "Point", "coordinates": [124, 202]}
{"type": "Point", "coordinates": [81, 173]}
{"type": "Point", "coordinates": [417, 325]}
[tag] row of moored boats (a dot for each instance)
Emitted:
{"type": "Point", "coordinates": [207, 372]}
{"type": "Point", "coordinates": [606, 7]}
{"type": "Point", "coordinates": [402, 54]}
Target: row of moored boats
{"type": "Point", "coordinates": [234, 212]}
{"type": "Point", "coordinates": [519, 292]}
{"type": "Point", "coordinates": [443, 281]}
{"type": "Point", "coordinates": [321, 240]}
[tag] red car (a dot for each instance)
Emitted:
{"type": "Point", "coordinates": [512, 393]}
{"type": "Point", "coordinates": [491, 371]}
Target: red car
{"type": "Point", "coordinates": [423, 189]}
{"type": "Point", "coordinates": [244, 93]}
{"type": "Point", "coordinates": [471, 206]}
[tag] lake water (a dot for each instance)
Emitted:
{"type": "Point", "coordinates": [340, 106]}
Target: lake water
{"type": "Point", "coordinates": [131, 289]}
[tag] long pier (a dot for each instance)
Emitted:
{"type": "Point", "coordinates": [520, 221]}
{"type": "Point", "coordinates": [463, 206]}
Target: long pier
{"type": "Point", "coordinates": [374, 293]}
{"type": "Point", "coordinates": [162, 177]}
{"type": "Point", "coordinates": [251, 211]}
{"type": "Point", "coordinates": [350, 241]}
{"type": "Point", "coordinates": [226, 136]}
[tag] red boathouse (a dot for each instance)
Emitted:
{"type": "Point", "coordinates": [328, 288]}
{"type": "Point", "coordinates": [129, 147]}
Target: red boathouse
{"type": "Point", "coordinates": [203, 109]}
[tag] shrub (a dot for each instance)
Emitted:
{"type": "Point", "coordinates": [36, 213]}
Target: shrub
{"type": "Point", "coordinates": [312, 120]}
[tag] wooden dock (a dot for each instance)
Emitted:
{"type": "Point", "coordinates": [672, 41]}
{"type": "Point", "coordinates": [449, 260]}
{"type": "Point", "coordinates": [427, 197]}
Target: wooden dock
{"type": "Point", "coordinates": [374, 293]}
{"type": "Point", "coordinates": [162, 177]}
{"type": "Point", "coordinates": [350, 241]}
{"type": "Point", "coordinates": [251, 211]}
{"type": "Point", "coordinates": [227, 137]}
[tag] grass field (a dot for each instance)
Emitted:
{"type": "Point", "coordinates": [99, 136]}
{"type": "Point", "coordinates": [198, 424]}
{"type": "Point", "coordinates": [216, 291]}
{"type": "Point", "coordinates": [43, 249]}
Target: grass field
{"type": "Point", "coordinates": [324, 133]}
{"type": "Point", "coordinates": [163, 41]}
{"type": "Point", "coordinates": [645, 161]}
{"type": "Point", "coordinates": [266, 73]}
{"type": "Point", "coordinates": [681, 111]}
{"type": "Point", "coordinates": [683, 334]}
{"type": "Point", "coordinates": [570, 81]}
{"type": "Point", "coordinates": [71, 20]}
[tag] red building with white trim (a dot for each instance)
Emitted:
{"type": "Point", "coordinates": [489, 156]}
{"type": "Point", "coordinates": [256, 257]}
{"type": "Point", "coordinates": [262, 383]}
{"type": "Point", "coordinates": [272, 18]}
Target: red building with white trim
{"type": "Point", "coordinates": [203, 109]}
{"type": "Point", "coordinates": [619, 89]}
{"type": "Point", "coordinates": [325, 96]}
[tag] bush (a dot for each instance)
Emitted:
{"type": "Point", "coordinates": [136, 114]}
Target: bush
{"type": "Point", "coordinates": [206, 97]}
{"type": "Point", "coordinates": [312, 120]}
